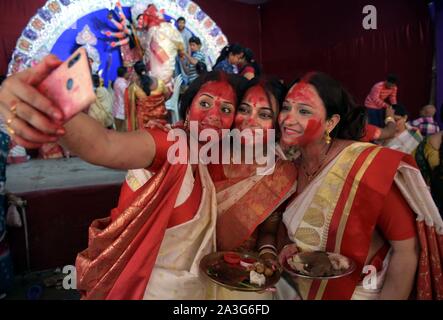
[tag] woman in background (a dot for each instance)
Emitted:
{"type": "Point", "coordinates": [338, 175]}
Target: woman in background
{"type": "Point", "coordinates": [230, 57]}
{"type": "Point", "coordinates": [101, 109]}
{"type": "Point", "coordinates": [145, 99]}
{"type": "Point", "coordinates": [406, 138]}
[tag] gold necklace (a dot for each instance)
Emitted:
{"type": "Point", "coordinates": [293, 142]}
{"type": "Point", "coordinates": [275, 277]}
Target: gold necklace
{"type": "Point", "coordinates": [311, 176]}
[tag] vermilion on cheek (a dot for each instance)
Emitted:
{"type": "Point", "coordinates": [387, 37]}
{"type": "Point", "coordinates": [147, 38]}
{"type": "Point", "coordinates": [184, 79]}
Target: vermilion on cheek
{"type": "Point", "coordinates": [239, 120]}
{"type": "Point", "coordinates": [227, 121]}
{"type": "Point", "coordinates": [312, 132]}
{"type": "Point", "coordinates": [197, 114]}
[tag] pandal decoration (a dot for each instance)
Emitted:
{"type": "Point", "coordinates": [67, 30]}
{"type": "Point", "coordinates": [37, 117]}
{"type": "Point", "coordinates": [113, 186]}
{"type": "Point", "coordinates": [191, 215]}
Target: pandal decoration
{"type": "Point", "coordinates": [56, 16]}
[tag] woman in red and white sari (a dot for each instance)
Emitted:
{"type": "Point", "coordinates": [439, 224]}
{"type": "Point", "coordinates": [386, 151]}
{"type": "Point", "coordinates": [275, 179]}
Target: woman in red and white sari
{"type": "Point", "coordinates": [366, 202]}
{"type": "Point", "coordinates": [246, 197]}
{"type": "Point", "coordinates": [151, 245]}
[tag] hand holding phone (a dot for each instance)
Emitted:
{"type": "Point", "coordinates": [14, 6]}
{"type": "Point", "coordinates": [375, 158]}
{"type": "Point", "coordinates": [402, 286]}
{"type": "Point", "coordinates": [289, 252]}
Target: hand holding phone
{"type": "Point", "coordinates": [70, 85]}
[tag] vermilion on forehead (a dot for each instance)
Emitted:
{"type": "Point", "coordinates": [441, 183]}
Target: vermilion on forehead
{"type": "Point", "coordinates": [219, 89]}
{"type": "Point", "coordinates": [256, 95]}
{"type": "Point", "coordinates": [302, 91]}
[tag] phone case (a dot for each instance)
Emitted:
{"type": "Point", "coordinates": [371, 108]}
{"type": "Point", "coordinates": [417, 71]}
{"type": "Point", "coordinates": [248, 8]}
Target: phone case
{"type": "Point", "coordinates": [70, 85]}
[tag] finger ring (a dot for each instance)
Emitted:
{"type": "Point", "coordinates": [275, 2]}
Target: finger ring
{"type": "Point", "coordinates": [9, 121]}
{"type": "Point", "coordinates": [13, 108]}
{"type": "Point", "coordinates": [10, 130]}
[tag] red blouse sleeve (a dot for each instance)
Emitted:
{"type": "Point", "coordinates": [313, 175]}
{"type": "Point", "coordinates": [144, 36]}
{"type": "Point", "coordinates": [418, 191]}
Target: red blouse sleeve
{"type": "Point", "coordinates": [397, 220]}
{"type": "Point", "coordinates": [372, 133]}
{"type": "Point", "coordinates": [161, 148]}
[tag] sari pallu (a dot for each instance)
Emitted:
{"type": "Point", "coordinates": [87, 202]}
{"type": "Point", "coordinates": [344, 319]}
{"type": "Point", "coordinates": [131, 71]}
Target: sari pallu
{"type": "Point", "coordinates": [338, 213]}
{"type": "Point", "coordinates": [137, 257]}
{"type": "Point", "coordinates": [243, 205]}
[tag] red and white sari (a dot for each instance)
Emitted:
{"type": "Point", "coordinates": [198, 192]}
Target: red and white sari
{"type": "Point", "coordinates": [151, 245]}
{"type": "Point", "coordinates": [339, 210]}
{"type": "Point", "coordinates": [242, 205]}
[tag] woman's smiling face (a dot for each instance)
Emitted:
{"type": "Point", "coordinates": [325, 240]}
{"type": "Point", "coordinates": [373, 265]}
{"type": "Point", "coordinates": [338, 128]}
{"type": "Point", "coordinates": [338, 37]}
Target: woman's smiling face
{"type": "Point", "coordinates": [213, 107]}
{"type": "Point", "coordinates": [302, 118]}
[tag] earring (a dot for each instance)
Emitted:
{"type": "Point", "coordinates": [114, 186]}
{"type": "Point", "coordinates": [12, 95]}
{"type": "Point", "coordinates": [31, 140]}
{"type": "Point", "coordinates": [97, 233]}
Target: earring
{"type": "Point", "coordinates": [186, 123]}
{"type": "Point", "coordinates": [328, 137]}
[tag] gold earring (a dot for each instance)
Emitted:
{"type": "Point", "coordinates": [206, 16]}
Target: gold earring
{"type": "Point", "coordinates": [328, 137]}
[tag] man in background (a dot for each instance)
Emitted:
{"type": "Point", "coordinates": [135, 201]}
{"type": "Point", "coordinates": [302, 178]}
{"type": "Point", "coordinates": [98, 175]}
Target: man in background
{"type": "Point", "coordinates": [383, 95]}
{"type": "Point", "coordinates": [186, 34]}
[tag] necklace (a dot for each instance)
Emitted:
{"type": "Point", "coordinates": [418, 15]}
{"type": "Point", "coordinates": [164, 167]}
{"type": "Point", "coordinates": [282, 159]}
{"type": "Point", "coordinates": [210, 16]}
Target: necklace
{"type": "Point", "coordinates": [313, 174]}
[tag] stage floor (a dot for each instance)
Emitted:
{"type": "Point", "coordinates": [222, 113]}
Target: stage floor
{"type": "Point", "coordinates": [40, 175]}
{"type": "Point", "coordinates": [63, 197]}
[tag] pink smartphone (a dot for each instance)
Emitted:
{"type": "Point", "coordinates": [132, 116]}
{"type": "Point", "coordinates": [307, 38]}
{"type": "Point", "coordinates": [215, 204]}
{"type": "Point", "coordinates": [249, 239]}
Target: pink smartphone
{"type": "Point", "coordinates": [70, 85]}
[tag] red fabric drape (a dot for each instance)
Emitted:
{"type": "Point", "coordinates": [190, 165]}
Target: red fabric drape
{"type": "Point", "coordinates": [328, 36]}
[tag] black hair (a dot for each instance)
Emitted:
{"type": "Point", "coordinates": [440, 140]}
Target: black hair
{"type": "Point", "coordinates": [234, 48]}
{"type": "Point", "coordinates": [2, 78]}
{"type": "Point", "coordinates": [400, 110]}
{"type": "Point", "coordinates": [121, 71]}
{"type": "Point", "coordinates": [238, 83]}
{"type": "Point", "coordinates": [95, 80]}
{"type": "Point", "coordinates": [337, 100]}
{"type": "Point", "coordinates": [249, 57]}
{"type": "Point", "coordinates": [181, 19]}
{"type": "Point", "coordinates": [201, 67]}
{"type": "Point", "coordinates": [145, 80]}
{"type": "Point", "coordinates": [196, 40]}
{"type": "Point", "coordinates": [392, 78]}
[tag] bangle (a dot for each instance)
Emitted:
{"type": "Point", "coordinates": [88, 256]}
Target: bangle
{"type": "Point", "coordinates": [269, 246]}
{"type": "Point", "coordinates": [262, 252]}
{"type": "Point", "coordinates": [389, 119]}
